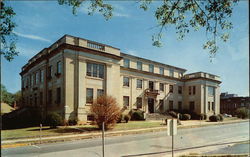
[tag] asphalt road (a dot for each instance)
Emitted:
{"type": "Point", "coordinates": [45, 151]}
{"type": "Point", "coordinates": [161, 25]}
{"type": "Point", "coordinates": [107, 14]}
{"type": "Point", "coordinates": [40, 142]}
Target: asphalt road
{"type": "Point", "coordinates": [148, 144]}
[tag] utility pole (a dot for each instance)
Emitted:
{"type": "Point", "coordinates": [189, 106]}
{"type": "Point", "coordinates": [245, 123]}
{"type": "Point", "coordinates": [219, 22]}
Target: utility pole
{"type": "Point", "coordinates": [103, 139]}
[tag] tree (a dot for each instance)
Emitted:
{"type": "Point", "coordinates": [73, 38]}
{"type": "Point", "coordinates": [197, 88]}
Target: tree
{"type": "Point", "coordinates": [182, 14]}
{"type": "Point", "coordinates": [17, 97]}
{"type": "Point", "coordinates": [7, 37]}
{"type": "Point", "coordinates": [105, 109]}
{"type": "Point", "coordinates": [6, 97]}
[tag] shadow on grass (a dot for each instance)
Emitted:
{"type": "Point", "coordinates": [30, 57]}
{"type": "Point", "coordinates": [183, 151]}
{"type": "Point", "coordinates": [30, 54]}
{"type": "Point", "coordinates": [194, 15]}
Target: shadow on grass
{"type": "Point", "coordinates": [68, 129]}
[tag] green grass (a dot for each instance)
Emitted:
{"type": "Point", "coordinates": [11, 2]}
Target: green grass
{"type": "Point", "coordinates": [46, 131]}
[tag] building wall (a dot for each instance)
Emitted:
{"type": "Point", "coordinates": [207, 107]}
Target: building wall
{"type": "Point", "coordinates": [73, 81]}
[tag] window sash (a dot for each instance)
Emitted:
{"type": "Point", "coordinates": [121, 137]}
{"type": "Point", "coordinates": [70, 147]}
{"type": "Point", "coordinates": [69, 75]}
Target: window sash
{"type": "Point", "coordinates": [151, 68]}
{"type": "Point", "coordinates": [139, 65]}
{"type": "Point", "coordinates": [161, 87]}
{"type": "Point", "coordinates": [89, 95]}
{"type": "Point", "coordinates": [126, 81]}
{"type": "Point", "coordinates": [126, 101]}
{"type": "Point", "coordinates": [139, 83]}
{"type": "Point", "coordinates": [139, 102]}
{"type": "Point", "coordinates": [126, 63]}
{"type": "Point", "coordinates": [161, 71]}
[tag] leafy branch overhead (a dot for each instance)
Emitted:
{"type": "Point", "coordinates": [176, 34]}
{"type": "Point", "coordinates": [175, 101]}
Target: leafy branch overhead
{"type": "Point", "coordinates": [213, 15]}
{"type": "Point", "coordinates": [7, 37]}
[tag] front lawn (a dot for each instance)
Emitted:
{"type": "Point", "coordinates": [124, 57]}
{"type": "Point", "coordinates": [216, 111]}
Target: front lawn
{"type": "Point", "coordinates": [46, 131]}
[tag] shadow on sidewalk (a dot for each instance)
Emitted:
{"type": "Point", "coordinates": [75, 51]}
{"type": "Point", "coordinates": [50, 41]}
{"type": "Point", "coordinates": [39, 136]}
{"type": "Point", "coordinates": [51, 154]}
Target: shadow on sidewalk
{"type": "Point", "coordinates": [182, 149]}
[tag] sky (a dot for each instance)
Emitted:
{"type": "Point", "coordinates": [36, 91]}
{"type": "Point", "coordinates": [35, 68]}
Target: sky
{"type": "Point", "coordinates": [41, 23]}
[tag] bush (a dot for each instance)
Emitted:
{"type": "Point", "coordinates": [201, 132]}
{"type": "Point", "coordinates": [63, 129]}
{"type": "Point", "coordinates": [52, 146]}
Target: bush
{"type": "Point", "coordinates": [72, 121]}
{"type": "Point", "coordinates": [201, 116]}
{"type": "Point", "coordinates": [186, 117]}
{"type": "Point", "coordinates": [242, 112]}
{"type": "Point", "coordinates": [173, 114]}
{"type": "Point", "coordinates": [105, 109]}
{"type": "Point", "coordinates": [137, 115]}
{"type": "Point", "coordinates": [127, 118]}
{"type": "Point", "coordinates": [53, 119]}
{"type": "Point", "coordinates": [214, 118]}
{"type": "Point", "coordinates": [120, 119]}
{"type": "Point", "coordinates": [178, 122]}
{"type": "Point", "coordinates": [221, 118]}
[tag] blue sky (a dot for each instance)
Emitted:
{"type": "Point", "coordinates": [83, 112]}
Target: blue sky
{"type": "Point", "coordinates": [42, 23]}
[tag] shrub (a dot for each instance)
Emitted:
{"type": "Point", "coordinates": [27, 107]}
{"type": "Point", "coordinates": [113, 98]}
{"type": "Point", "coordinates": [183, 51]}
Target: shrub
{"type": "Point", "coordinates": [137, 115]}
{"type": "Point", "coordinates": [105, 109]}
{"type": "Point", "coordinates": [201, 116]}
{"type": "Point", "coordinates": [127, 118]}
{"type": "Point", "coordinates": [121, 117]}
{"type": "Point", "coordinates": [214, 118]}
{"type": "Point", "coordinates": [242, 112]}
{"type": "Point", "coordinates": [186, 117]}
{"type": "Point", "coordinates": [221, 118]}
{"type": "Point", "coordinates": [173, 114]}
{"type": "Point", "coordinates": [53, 119]}
{"type": "Point", "coordinates": [72, 121]}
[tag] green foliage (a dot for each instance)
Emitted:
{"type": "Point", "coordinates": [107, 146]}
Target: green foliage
{"type": "Point", "coordinates": [127, 118]}
{"type": "Point", "coordinates": [72, 121]}
{"type": "Point", "coordinates": [95, 5]}
{"type": "Point", "coordinates": [53, 119]}
{"type": "Point", "coordinates": [186, 117]}
{"type": "Point", "coordinates": [173, 114]}
{"type": "Point", "coordinates": [7, 37]}
{"type": "Point", "coordinates": [137, 115]}
{"type": "Point", "coordinates": [6, 96]}
{"type": "Point", "coordinates": [243, 113]}
{"type": "Point", "coordinates": [214, 118]}
{"type": "Point", "coordinates": [221, 118]}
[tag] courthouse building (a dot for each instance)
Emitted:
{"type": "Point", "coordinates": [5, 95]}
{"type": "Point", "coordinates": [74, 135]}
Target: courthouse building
{"type": "Point", "coordinates": [67, 76]}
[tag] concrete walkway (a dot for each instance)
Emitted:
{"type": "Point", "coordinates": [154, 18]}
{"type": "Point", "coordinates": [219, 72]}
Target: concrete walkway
{"type": "Point", "coordinates": [61, 138]}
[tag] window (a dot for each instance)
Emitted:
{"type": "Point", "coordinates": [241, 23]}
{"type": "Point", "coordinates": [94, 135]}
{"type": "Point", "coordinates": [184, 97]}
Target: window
{"type": "Point", "coordinates": [41, 98]}
{"type": "Point", "coordinates": [193, 90]}
{"type": "Point", "coordinates": [191, 105]}
{"type": "Point", "coordinates": [89, 97]}
{"type": "Point", "coordinates": [41, 76]}
{"type": "Point", "coordinates": [50, 97]}
{"type": "Point", "coordinates": [171, 72]}
{"type": "Point", "coordinates": [151, 68]}
{"type": "Point", "coordinates": [180, 74]}
{"type": "Point", "coordinates": [31, 101]}
{"type": "Point", "coordinates": [189, 90]}
{"type": "Point", "coordinates": [126, 81]}
{"type": "Point", "coordinates": [213, 106]}
{"type": "Point", "coordinates": [59, 67]}
{"type": "Point", "coordinates": [126, 101]}
{"type": "Point", "coordinates": [139, 65]}
{"type": "Point", "coordinates": [171, 88]}
{"type": "Point", "coordinates": [35, 97]}
{"type": "Point", "coordinates": [179, 89]}
{"type": "Point", "coordinates": [95, 70]}
{"type": "Point", "coordinates": [208, 106]}
{"type": "Point", "coordinates": [161, 71]}
{"type": "Point", "coordinates": [139, 102]}
{"type": "Point", "coordinates": [100, 92]}
{"type": "Point", "coordinates": [171, 105]}
{"type": "Point", "coordinates": [37, 78]}
{"type": "Point", "coordinates": [161, 104]}
{"type": "Point", "coordinates": [27, 82]}
{"type": "Point", "coordinates": [32, 80]}
{"type": "Point", "coordinates": [179, 105]}
{"type": "Point", "coordinates": [58, 95]}
{"type": "Point", "coordinates": [139, 83]}
{"type": "Point", "coordinates": [210, 91]}
{"type": "Point", "coordinates": [126, 63]}
{"type": "Point", "coordinates": [161, 87]}
{"type": "Point", "coordinates": [50, 71]}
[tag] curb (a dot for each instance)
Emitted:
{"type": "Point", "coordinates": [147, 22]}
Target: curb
{"type": "Point", "coordinates": [73, 137]}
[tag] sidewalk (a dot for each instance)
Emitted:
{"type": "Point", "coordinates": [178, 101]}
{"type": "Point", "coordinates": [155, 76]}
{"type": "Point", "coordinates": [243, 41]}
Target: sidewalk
{"type": "Point", "coordinates": [61, 138]}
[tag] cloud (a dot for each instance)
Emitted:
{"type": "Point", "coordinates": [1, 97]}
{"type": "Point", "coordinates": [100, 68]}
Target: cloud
{"type": "Point", "coordinates": [33, 37]}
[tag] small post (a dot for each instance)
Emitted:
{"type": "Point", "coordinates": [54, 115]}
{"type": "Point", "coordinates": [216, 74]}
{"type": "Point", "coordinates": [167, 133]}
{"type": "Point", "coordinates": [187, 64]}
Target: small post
{"type": "Point", "coordinates": [103, 139]}
{"type": "Point", "coordinates": [41, 133]}
{"type": "Point", "coordinates": [172, 138]}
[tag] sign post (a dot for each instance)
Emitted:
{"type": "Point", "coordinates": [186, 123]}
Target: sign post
{"type": "Point", "coordinates": [172, 130]}
{"type": "Point", "coordinates": [103, 139]}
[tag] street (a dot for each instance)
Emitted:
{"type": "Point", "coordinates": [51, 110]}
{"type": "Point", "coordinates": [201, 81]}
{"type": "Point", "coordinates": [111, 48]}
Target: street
{"type": "Point", "coordinates": [148, 144]}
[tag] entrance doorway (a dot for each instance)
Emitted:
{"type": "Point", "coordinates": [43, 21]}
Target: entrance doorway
{"type": "Point", "coordinates": [151, 85]}
{"type": "Point", "coordinates": [151, 105]}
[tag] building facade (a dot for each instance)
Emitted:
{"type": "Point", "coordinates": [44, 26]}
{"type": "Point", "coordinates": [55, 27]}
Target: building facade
{"type": "Point", "coordinates": [67, 76]}
{"type": "Point", "coordinates": [229, 104]}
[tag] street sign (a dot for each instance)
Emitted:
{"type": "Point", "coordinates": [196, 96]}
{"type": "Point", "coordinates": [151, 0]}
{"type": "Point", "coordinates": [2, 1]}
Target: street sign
{"type": "Point", "coordinates": [172, 127]}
